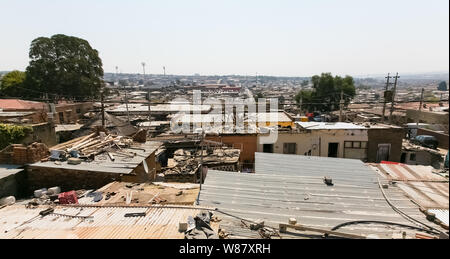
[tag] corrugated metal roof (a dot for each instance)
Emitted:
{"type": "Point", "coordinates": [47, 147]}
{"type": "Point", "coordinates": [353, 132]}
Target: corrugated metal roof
{"type": "Point", "coordinates": [329, 126]}
{"type": "Point", "coordinates": [287, 186]}
{"type": "Point", "coordinates": [106, 223]}
{"type": "Point", "coordinates": [7, 170]}
{"type": "Point", "coordinates": [103, 162]}
{"type": "Point", "coordinates": [441, 215]}
{"type": "Point", "coordinates": [419, 183]}
{"type": "Point", "coordinates": [17, 104]}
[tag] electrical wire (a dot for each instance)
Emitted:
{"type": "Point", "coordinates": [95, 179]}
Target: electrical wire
{"type": "Point", "coordinates": [403, 214]}
{"type": "Point", "coordinates": [382, 223]}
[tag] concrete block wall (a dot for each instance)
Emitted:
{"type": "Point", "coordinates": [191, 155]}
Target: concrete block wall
{"type": "Point", "coordinates": [67, 179]}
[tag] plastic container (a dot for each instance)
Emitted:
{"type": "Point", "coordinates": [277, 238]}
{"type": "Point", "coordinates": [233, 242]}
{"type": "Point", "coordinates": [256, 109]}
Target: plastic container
{"type": "Point", "coordinates": [7, 200]}
{"type": "Point", "coordinates": [54, 190]}
{"type": "Point", "coordinates": [40, 192]}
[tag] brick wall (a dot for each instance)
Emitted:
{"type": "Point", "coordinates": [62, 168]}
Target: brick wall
{"type": "Point", "coordinates": [67, 179]}
{"type": "Point", "coordinates": [393, 136]}
{"type": "Point", "coordinates": [43, 133]}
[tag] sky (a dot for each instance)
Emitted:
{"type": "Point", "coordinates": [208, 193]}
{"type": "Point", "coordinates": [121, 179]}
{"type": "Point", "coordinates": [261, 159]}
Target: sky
{"type": "Point", "coordinates": [245, 37]}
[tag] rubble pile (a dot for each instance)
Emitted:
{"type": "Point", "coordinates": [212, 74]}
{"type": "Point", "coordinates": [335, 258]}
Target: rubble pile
{"type": "Point", "coordinates": [90, 146]}
{"type": "Point", "coordinates": [185, 164]}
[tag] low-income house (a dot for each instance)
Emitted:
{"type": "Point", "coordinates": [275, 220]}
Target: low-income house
{"type": "Point", "coordinates": [367, 142]}
{"type": "Point", "coordinates": [93, 161]}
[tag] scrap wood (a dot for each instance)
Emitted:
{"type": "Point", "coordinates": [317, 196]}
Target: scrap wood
{"type": "Point", "coordinates": [222, 234]}
{"type": "Point", "coordinates": [111, 156]}
{"type": "Point", "coordinates": [423, 236]}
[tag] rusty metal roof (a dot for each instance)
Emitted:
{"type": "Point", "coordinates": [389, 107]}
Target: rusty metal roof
{"type": "Point", "coordinates": [419, 183]}
{"type": "Point", "coordinates": [161, 222]}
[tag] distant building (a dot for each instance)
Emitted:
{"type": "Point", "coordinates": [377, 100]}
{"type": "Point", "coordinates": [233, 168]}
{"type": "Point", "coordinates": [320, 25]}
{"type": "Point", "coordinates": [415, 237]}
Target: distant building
{"type": "Point", "coordinates": [372, 143]}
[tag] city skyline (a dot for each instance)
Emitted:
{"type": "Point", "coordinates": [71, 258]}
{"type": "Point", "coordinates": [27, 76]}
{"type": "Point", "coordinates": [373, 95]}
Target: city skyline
{"type": "Point", "coordinates": [291, 38]}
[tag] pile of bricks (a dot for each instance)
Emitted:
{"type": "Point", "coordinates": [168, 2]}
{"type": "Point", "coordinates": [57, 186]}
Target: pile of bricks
{"type": "Point", "coordinates": [30, 154]}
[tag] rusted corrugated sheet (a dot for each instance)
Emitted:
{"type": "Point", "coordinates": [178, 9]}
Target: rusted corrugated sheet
{"type": "Point", "coordinates": [419, 183]}
{"type": "Point", "coordinates": [106, 223]}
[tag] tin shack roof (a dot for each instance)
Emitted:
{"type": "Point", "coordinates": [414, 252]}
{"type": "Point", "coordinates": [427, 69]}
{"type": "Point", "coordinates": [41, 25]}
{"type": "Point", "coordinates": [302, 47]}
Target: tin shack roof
{"type": "Point", "coordinates": [292, 186]}
{"type": "Point", "coordinates": [419, 183]}
{"type": "Point", "coordinates": [160, 222]}
{"type": "Point", "coordinates": [103, 163]}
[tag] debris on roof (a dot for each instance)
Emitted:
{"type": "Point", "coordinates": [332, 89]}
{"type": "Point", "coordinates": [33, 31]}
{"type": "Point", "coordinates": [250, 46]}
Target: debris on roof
{"type": "Point", "coordinates": [143, 194]}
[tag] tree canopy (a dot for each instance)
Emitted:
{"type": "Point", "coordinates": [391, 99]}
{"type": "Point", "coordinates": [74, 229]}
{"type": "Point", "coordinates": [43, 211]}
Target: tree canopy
{"type": "Point", "coordinates": [13, 84]}
{"type": "Point", "coordinates": [64, 66]}
{"type": "Point", "coordinates": [326, 93]}
{"type": "Point", "coordinates": [442, 86]}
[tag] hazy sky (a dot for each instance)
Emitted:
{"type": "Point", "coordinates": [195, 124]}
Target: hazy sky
{"type": "Point", "coordinates": [277, 37]}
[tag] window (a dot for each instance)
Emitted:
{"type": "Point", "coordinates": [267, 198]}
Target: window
{"type": "Point", "coordinates": [356, 144]}
{"type": "Point", "coordinates": [290, 148]}
{"type": "Point", "coordinates": [412, 157]}
{"type": "Point", "coordinates": [364, 145]}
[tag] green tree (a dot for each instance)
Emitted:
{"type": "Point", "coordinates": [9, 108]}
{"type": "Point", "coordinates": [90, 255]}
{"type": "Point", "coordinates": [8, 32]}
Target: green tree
{"type": "Point", "coordinates": [66, 66]}
{"type": "Point", "coordinates": [442, 86]}
{"type": "Point", "coordinates": [258, 96]}
{"type": "Point", "coordinates": [12, 134]}
{"type": "Point", "coordinates": [326, 93]}
{"type": "Point", "coordinates": [13, 84]}
{"type": "Point", "coordinates": [304, 83]}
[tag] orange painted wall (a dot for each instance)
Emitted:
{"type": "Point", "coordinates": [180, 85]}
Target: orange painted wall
{"type": "Point", "coordinates": [247, 144]}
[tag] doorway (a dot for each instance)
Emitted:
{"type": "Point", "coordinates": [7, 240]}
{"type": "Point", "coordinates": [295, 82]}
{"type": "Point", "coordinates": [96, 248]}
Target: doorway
{"type": "Point", "coordinates": [383, 152]}
{"type": "Point", "coordinates": [268, 148]}
{"type": "Point", "coordinates": [333, 149]}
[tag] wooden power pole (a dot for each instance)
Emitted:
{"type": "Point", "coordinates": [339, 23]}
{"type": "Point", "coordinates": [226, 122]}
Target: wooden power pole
{"type": "Point", "coordinates": [149, 109]}
{"type": "Point", "coordinates": [393, 99]}
{"type": "Point", "coordinates": [385, 101]}
{"type": "Point", "coordinates": [126, 104]}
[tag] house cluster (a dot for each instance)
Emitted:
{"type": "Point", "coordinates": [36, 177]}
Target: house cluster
{"type": "Point", "coordinates": [120, 168]}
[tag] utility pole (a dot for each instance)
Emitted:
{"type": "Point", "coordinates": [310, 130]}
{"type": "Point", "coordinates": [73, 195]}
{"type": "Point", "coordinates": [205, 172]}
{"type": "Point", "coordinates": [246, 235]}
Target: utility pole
{"type": "Point", "coordinates": [126, 104]}
{"type": "Point", "coordinates": [341, 108]}
{"type": "Point", "coordinates": [301, 105]}
{"type": "Point", "coordinates": [201, 160]}
{"type": "Point", "coordinates": [103, 110]}
{"type": "Point", "coordinates": [421, 99]}
{"type": "Point", "coordinates": [143, 68]}
{"type": "Point", "coordinates": [393, 99]}
{"type": "Point", "coordinates": [420, 106]}
{"type": "Point", "coordinates": [385, 101]}
{"type": "Point", "coordinates": [149, 110]}
{"type": "Point", "coordinates": [164, 68]}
